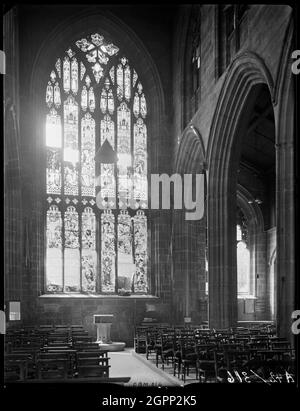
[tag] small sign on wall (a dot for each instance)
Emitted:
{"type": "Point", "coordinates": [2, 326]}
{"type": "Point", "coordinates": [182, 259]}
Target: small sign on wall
{"type": "Point", "coordinates": [14, 311]}
{"type": "Point", "coordinates": [249, 306]}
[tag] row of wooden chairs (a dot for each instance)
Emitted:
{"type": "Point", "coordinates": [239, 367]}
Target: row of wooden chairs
{"type": "Point", "coordinates": [212, 353]}
{"type": "Point", "coordinates": [47, 352]}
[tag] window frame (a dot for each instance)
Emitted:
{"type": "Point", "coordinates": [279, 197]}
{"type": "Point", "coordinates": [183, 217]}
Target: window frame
{"type": "Point", "coordinates": [98, 212]}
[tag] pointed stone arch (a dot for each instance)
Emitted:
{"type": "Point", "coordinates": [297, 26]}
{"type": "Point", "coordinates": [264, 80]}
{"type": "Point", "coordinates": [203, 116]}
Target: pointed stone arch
{"type": "Point", "coordinates": [241, 85]}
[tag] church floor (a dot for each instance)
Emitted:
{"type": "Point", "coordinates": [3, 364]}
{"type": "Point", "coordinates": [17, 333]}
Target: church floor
{"type": "Point", "coordinates": [142, 372]}
{"type": "Point", "coordinates": [168, 369]}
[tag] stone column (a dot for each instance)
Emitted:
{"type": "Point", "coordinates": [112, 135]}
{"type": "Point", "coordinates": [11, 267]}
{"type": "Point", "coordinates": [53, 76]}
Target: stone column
{"type": "Point", "coordinates": [222, 292]}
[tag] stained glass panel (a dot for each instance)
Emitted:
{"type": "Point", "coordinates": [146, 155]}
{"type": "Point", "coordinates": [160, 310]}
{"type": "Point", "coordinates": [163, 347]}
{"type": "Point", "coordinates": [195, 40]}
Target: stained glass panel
{"type": "Point", "coordinates": [89, 256]}
{"type": "Point", "coordinates": [140, 162]}
{"type": "Point", "coordinates": [143, 106]}
{"type": "Point", "coordinates": [58, 67]}
{"type": "Point", "coordinates": [136, 105]}
{"type": "Point", "coordinates": [91, 99]}
{"type": "Point", "coordinates": [49, 94]}
{"type": "Point", "coordinates": [53, 129]}
{"type": "Point", "coordinates": [110, 102]}
{"type": "Point", "coordinates": [87, 155]}
{"type": "Point", "coordinates": [140, 246]}
{"type": "Point", "coordinates": [53, 178]}
{"type": "Point", "coordinates": [57, 100]}
{"type": "Point", "coordinates": [126, 267]}
{"type": "Point", "coordinates": [82, 70]}
{"type": "Point", "coordinates": [66, 75]}
{"type": "Point", "coordinates": [54, 272]}
{"type": "Point", "coordinates": [74, 80]}
{"type": "Point", "coordinates": [108, 185]}
{"type": "Point", "coordinates": [108, 252]}
{"type": "Point", "coordinates": [71, 153]}
{"type": "Point", "coordinates": [97, 71]}
{"type": "Point", "coordinates": [103, 101]}
{"type": "Point", "coordinates": [72, 256]}
{"type": "Point", "coordinates": [120, 82]}
{"type": "Point", "coordinates": [124, 151]}
{"type": "Point", "coordinates": [84, 98]}
{"type": "Point", "coordinates": [134, 78]}
{"type": "Point", "coordinates": [108, 130]}
{"type": "Point", "coordinates": [127, 83]}
{"type": "Point", "coordinates": [112, 74]}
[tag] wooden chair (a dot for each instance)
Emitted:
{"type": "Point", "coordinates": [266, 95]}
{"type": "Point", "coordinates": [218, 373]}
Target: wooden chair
{"type": "Point", "coordinates": [52, 368]}
{"type": "Point", "coordinates": [16, 366]}
{"type": "Point", "coordinates": [87, 370]}
{"type": "Point", "coordinates": [188, 357]}
{"type": "Point", "coordinates": [207, 365]}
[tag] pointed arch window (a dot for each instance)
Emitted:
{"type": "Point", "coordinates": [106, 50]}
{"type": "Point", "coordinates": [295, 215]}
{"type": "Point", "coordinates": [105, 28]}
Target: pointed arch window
{"type": "Point", "coordinates": [94, 96]}
{"type": "Point", "coordinates": [243, 256]}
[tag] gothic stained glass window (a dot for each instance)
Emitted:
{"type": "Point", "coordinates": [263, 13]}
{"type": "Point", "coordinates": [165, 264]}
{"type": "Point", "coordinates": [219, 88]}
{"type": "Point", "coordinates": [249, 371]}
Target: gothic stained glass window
{"type": "Point", "coordinates": [94, 95]}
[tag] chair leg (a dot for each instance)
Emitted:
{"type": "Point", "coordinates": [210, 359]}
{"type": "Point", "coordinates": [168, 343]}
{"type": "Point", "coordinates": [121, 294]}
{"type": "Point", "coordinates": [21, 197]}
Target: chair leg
{"type": "Point", "coordinates": [183, 372]}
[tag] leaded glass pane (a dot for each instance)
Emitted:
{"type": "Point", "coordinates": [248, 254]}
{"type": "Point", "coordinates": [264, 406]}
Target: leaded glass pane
{"type": "Point", "coordinates": [66, 75]}
{"type": "Point", "coordinates": [84, 98]}
{"type": "Point", "coordinates": [91, 99]}
{"type": "Point", "coordinates": [127, 83]}
{"type": "Point", "coordinates": [136, 105]}
{"type": "Point", "coordinates": [57, 99]}
{"type": "Point", "coordinates": [89, 256]}
{"type": "Point", "coordinates": [112, 74]}
{"type": "Point", "coordinates": [49, 94]}
{"type": "Point", "coordinates": [53, 129]}
{"type": "Point", "coordinates": [126, 266]}
{"type": "Point", "coordinates": [58, 67]}
{"type": "Point", "coordinates": [87, 155]}
{"type": "Point", "coordinates": [54, 272]}
{"type": "Point", "coordinates": [82, 70]}
{"type": "Point", "coordinates": [134, 78]}
{"type": "Point", "coordinates": [140, 246]}
{"type": "Point", "coordinates": [110, 102]}
{"type": "Point", "coordinates": [108, 185]}
{"type": "Point", "coordinates": [72, 256]}
{"type": "Point", "coordinates": [108, 131]}
{"type": "Point", "coordinates": [124, 151]}
{"type": "Point", "coordinates": [53, 175]}
{"type": "Point", "coordinates": [108, 252]}
{"type": "Point", "coordinates": [53, 76]}
{"type": "Point", "coordinates": [74, 71]}
{"type": "Point", "coordinates": [120, 82]}
{"type": "Point", "coordinates": [103, 101]}
{"type": "Point", "coordinates": [71, 153]}
{"type": "Point", "coordinates": [97, 71]}
{"type": "Point", "coordinates": [143, 106]}
{"type": "Point", "coordinates": [140, 162]}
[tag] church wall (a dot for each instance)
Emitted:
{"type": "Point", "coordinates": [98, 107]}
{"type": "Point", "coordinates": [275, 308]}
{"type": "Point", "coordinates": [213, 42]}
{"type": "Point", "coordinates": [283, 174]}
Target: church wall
{"type": "Point", "coordinates": [262, 24]}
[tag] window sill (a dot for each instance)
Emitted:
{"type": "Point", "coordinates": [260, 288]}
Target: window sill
{"type": "Point", "coordinates": [247, 297]}
{"type": "Point", "coordinates": [99, 296]}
